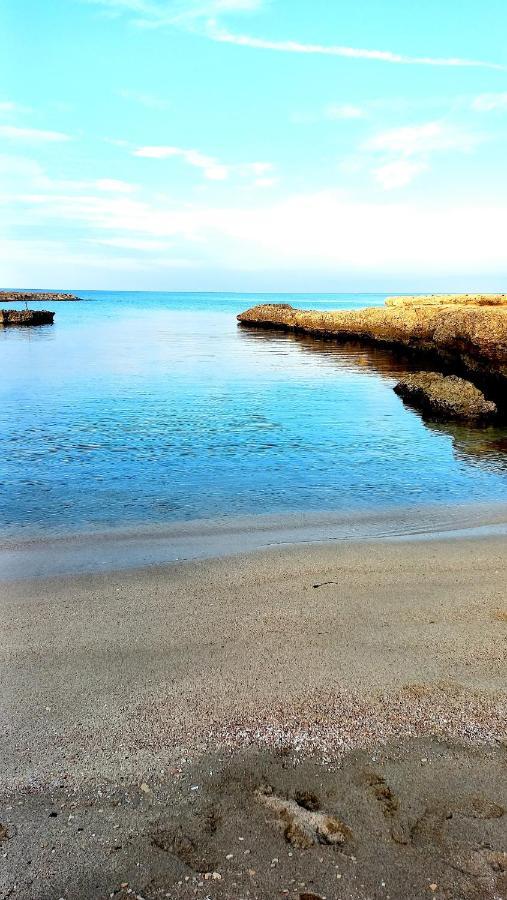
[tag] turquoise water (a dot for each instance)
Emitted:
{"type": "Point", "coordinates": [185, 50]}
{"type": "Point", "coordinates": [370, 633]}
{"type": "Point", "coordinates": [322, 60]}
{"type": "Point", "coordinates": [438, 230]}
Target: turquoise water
{"type": "Point", "coordinates": [155, 407]}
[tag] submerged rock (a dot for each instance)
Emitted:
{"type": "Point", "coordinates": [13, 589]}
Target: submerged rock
{"type": "Point", "coordinates": [446, 397]}
{"type": "Point", "coordinates": [26, 317]}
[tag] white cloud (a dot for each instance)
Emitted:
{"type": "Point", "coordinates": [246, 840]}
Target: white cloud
{"type": "Point", "coordinates": [324, 231]}
{"type": "Point", "coordinates": [413, 140]}
{"type": "Point", "coordinates": [189, 13]}
{"type": "Point", "coordinates": [32, 135]}
{"type": "Point", "coordinates": [265, 182]}
{"type": "Point", "coordinates": [398, 174]}
{"type": "Point", "coordinates": [212, 169]}
{"type": "Point", "coordinates": [150, 101]}
{"type": "Point", "coordinates": [343, 111]}
{"type": "Point", "coordinates": [78, 255]}
{"type": "Point", "coordinates": [406, 151]}
{"type": "Point", "coordinates": [259, 168]}
{"type": "Point", "coordinates": [10, 106]}
{"type": "Point", "coordinates": [139, 244]}
{"type": "Point", "coordinates": [204, 9]}
{"type": "Point", "coordinates": [490, 102]}
{"type": "Point", "coordinates": [19, 166]}
{"type": "Point", "coordinates": [115, 186]}
{"type": "Point", "coordinates": [332, 112]}
{"type": "Point", "coordinates": [153, 14]}
{"type": "Point", "coordinates": [116, 142]}
{"type": "Point", "coordinates": [217, 33]}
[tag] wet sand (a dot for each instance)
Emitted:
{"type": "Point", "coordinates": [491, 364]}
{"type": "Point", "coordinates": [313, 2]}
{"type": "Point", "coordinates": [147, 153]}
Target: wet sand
{"type": "Point", "coordinates": [152, 718]}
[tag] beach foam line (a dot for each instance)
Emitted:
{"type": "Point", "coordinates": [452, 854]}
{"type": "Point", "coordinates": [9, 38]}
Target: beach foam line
{"type": "Point", "coordinates": [100, 551]}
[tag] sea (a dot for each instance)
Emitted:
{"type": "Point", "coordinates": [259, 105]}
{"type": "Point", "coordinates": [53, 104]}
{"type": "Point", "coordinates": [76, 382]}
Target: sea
{"type": "Point", "coordinates": [138, 409]}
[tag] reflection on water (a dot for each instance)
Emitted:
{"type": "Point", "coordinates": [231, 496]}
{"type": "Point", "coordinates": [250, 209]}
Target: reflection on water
{"type": "Point", "coordinates": [480, 446]}
{"type": "Point", "coordinates": [343, 354]}
{"type": "Point", "coordinates": [139, 408]}
{"type": "Point", "coordinates": [474, 444]}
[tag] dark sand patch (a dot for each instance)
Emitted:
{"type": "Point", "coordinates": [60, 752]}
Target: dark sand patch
{"type": "Point", "coordinates": [419, 818]}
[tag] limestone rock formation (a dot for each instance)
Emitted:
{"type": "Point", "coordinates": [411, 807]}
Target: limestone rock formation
{"type": "Point", "coordinates": [446, 397]}
{"type": "Point", "coordinates": [468, 336]}
{"type": "Point", "coordinates": [26, 317]}
{"type": "Point", "coordinates": [449, 300]}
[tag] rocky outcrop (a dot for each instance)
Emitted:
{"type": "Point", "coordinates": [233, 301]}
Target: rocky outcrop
{"type": "Point", "coordinates": [26, 317]}
{"type": "Point", "coordinates": [449, 300]}
{"type": "Point", "coordinates": [35, 297]}
{"type": "Point", "coordinates": [469, 337]}
{"type": "Point", "coordinates": [446, 397]}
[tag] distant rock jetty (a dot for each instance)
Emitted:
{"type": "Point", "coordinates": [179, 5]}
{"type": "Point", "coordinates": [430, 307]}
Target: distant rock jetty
{"type": "Point", "coordinates": [26, 317]}
{"type": "Point", "coordinates": [466, 333]}
{"type": "Point", "coordinates": [35, 297]}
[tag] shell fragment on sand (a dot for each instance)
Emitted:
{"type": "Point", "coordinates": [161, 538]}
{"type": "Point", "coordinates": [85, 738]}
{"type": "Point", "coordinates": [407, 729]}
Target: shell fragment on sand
{"type": "Point", "coordinates": [304, 827]}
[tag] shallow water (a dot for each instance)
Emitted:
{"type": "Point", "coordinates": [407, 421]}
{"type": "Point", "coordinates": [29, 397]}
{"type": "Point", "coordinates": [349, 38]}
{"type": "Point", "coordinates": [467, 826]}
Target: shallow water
{"type": "Point", "coordinates": [153, 408]}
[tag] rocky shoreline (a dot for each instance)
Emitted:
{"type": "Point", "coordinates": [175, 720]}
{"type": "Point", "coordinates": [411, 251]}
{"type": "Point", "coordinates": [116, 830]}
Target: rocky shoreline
{"type": "Point", "coordinates": [36, 296]}
{"type": "Point", "coordinates": [464, 334]}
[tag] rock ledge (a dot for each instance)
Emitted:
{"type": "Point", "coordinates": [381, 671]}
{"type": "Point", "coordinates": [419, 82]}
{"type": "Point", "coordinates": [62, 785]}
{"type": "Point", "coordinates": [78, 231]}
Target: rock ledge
{"type": "Point", "coordinates": [446, 397]}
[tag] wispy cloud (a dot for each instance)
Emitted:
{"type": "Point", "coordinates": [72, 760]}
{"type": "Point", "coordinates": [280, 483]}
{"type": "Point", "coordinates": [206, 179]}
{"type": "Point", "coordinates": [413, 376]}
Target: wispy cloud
{"type": "Point", "coordinates": [398, 174]}
{"type": "Point", "coordinates": [427, 137]}
{"type": "Point", "coordinates": [115, 186]}
{"type": "Point", "coordinates": [32, 135]}
{"type": "Point", "coordinates": [332, 112]}
{"type": "Point", "coordinates": [11, 106]}
{"type": "Point", "coordinates": [150, 101]}
{"type": "Point", "coordinates": [490, 102]}
{"type": "Point", "coordinates": [406, 151]}
{"type": "Point", "coordinates": [343, 111]}
{"type": "Point", "coordinates": [186, 13]}
{"type": "Point", "coordinates": [206, 15]}
{"type": "Point", "coordinates": [140, 244]}
{"type": "Point", "coordinates": [301, 231]}
{"type": "Point", "coordinates": [217, 33]}
{"type": "Point", "coordinates": [211, 168]}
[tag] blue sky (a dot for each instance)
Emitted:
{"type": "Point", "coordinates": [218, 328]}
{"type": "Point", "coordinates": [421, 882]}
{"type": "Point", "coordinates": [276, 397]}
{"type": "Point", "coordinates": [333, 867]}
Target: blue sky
{"type": "Point", "coordinates": [253, 144]}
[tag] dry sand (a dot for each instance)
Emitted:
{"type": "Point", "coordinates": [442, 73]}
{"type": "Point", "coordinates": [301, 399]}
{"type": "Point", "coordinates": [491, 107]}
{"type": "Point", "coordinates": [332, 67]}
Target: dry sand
{"type": "Point", "coordinates": [165, 724]}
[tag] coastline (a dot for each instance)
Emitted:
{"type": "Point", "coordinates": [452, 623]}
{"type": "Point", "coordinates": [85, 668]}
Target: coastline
{"type": "Point", "coordinates": [50, 554]}
{"type": "Point", "coordinates": [126, 689]}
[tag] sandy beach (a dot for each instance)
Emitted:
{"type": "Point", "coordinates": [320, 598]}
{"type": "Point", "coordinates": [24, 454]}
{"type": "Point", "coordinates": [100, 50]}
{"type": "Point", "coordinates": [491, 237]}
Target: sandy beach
{"type": "Point", "coordinates": [189, 729]}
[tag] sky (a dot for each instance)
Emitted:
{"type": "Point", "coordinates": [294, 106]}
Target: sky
{"type": "Point", "coordinates": [253, 145]}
